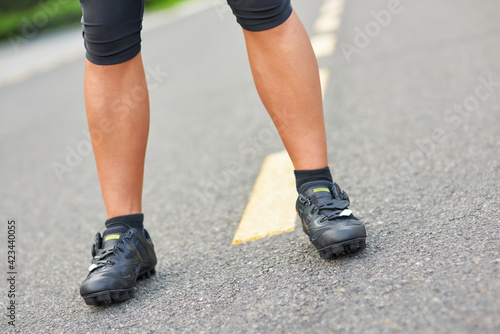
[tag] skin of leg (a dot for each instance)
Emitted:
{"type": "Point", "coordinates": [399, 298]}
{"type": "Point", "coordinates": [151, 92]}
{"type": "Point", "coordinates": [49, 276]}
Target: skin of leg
{"type": "Point", "coordinates": [286, 75]}
{"type": "Point", "coordinates": [117, 105]}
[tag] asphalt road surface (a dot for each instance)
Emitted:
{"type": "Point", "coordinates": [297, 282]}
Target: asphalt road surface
{"type": "Point", "coordinates": [413, 120]}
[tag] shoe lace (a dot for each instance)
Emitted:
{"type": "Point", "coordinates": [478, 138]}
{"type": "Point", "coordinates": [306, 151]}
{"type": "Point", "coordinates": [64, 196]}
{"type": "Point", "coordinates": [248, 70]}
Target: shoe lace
{"type": "Point", "coordinates": [337, 206]}
{"type": "Point", "coordinates": [102, 257]}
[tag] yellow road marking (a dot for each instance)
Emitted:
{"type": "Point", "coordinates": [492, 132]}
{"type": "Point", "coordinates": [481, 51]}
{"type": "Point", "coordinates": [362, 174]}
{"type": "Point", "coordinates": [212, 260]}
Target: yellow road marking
{"type": "Point", "coordinates": [270, 208]}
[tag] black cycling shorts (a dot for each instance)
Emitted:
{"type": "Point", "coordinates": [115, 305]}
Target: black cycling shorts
{"type": "Point", "coordinates": [112, 28]}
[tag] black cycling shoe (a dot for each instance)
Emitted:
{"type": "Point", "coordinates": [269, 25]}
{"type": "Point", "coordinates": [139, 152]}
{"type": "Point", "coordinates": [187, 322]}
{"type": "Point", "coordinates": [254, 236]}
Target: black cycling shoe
{"type": "Point", "coordinates": [326, 219]}
{"type": "Point", "coordinates": [124, 255]}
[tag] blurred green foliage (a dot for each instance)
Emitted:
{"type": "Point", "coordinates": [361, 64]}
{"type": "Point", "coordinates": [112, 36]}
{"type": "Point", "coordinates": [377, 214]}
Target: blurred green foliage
{"type": "Point", "coordinates": [16, 5]}
{"type": "Point", "coordinates": [27, 18]}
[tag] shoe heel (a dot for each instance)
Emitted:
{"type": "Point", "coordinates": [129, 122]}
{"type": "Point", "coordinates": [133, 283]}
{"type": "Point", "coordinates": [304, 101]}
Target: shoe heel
{"type": "Point", "coordinates": [147, 274]}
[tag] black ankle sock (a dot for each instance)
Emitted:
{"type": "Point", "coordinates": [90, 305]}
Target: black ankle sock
{"type": "Point", "coordinates": [304, 176]}
{"type": "Point", "coordinates": [136, 221]}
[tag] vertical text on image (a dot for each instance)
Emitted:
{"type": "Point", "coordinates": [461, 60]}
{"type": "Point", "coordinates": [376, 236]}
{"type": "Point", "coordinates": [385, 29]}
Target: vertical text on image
{"type": "Point", "coordinates": [11, 272]}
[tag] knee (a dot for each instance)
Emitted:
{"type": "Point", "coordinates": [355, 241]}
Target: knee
{"type": "Point", "coordinates": [112, 30]}
{"type": "Point", "coordinates": [258, 15]}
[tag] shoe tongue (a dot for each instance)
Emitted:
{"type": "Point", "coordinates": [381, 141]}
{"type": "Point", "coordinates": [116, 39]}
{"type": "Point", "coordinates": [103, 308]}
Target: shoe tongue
{"type": "Point", "coordinates": [113, 235]}
{"type": "Point", "coordinates": [319, 193]}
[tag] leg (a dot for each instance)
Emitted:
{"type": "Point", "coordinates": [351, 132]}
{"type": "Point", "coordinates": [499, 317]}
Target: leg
{"type": "Point", "coordinates": [286, 75]}
{"type": "Point", "coordinates": [116, 100]}
{"type": "Point", "coordinates": [117, 103]}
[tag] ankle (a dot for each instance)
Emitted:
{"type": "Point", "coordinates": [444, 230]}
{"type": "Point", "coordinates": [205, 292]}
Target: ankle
{"type": "Point", "coordinates": [305, 176]}
{"type": "Point", "coordinates": [134, 220]}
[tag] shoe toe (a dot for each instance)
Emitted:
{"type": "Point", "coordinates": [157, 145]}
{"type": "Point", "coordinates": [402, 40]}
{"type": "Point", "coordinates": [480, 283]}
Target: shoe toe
{"type": "Point", "coordinates": [96, 283]}
{"type": "Point", "coordinates": [340, 234]}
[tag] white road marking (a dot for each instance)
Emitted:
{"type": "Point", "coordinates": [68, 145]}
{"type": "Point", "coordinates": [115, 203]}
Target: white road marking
{"type": "Point", "coordinates": [330, 5]}
{"type": "Point", "coordinates": [324, 77]}
{"type": "Point", "coordinates": [330, 16]}
{"type": "Point", "coordinates": [327, 24]}
{"type": "Point", "coordinates": [22, 61]}
{"type": "Point", "coordinates": [324, 44]}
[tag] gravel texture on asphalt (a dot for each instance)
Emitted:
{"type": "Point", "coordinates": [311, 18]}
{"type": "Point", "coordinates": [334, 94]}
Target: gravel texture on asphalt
{"type": "Point", "coordinates": [421, 171]}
